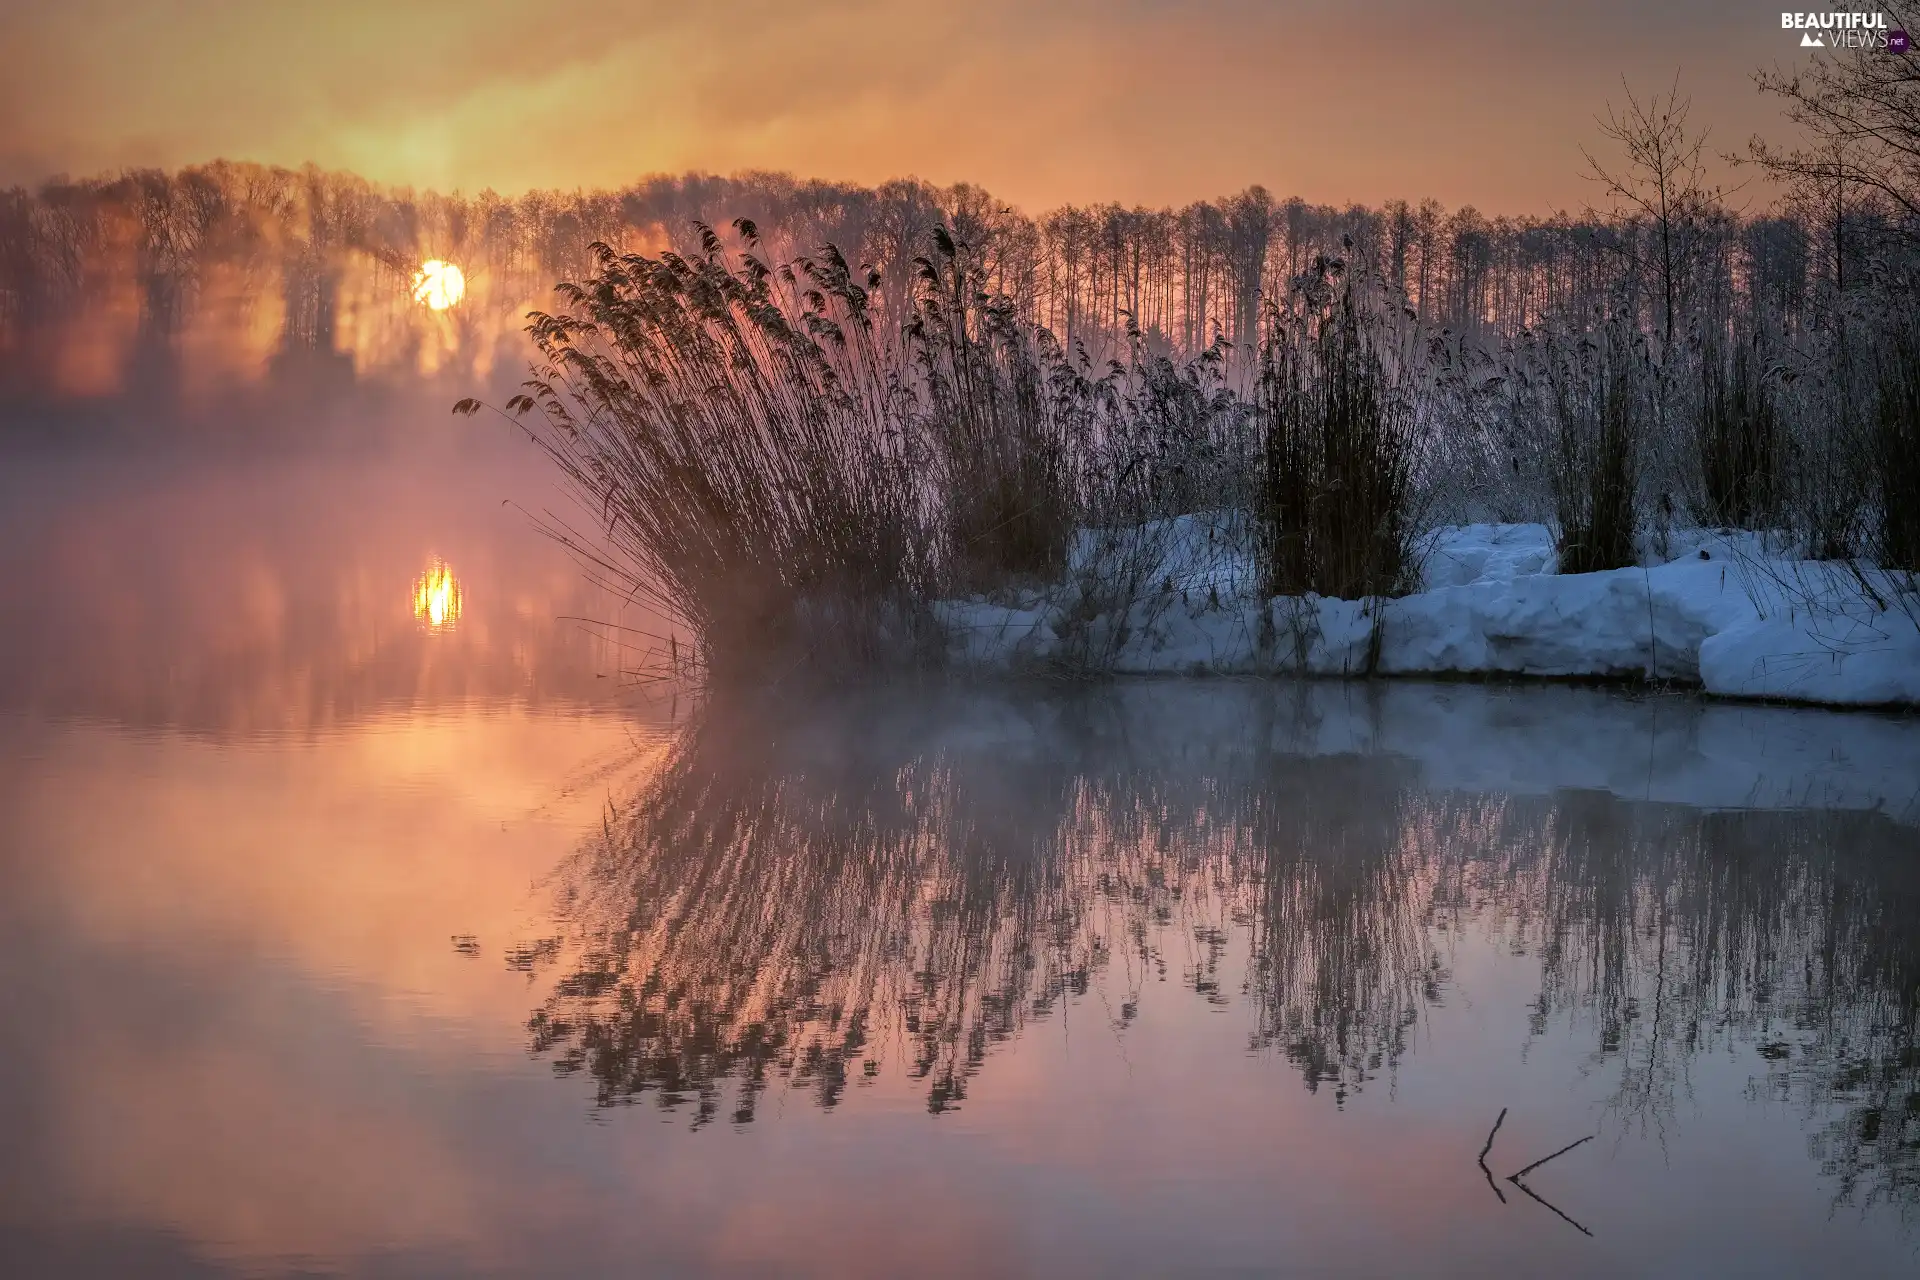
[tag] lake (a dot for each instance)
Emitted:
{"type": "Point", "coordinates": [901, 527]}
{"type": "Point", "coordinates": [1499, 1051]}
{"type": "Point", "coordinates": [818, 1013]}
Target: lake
{"type": "Point", "coordinates": [361, 914]}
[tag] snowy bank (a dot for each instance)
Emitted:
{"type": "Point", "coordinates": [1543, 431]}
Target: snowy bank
{"type": "Point", "coordinates": [1711, 611]}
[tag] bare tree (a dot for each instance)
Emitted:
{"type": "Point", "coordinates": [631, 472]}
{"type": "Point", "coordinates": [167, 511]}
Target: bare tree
{"type": "Point", "coordinates": [1664, 180]}
{"type": "Point", "coordinates": [1860, 110]}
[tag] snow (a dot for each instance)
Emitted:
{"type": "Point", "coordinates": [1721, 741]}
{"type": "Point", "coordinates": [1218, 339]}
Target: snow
{"type": "Point", "coordinates": [1858, 660]}
{"type": "Point", "coordinates": [995, 636]}
{"type": "Point", "coordinates": [1718, 611]}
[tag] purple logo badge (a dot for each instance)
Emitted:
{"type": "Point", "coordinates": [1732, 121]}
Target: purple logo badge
{"type": "Point", "coordinates": [1897, 42]}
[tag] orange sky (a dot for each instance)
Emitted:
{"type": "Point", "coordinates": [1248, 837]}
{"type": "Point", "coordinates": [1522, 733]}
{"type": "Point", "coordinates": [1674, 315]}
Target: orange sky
{"type": "Point", "coordinates": [1150, 101]}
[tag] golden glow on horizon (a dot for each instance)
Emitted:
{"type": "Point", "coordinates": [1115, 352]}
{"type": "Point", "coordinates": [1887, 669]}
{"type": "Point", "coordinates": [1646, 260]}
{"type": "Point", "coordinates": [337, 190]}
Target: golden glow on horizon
{"type": "Point", "coordinates": [439, 285]}
{"type": "Point", "coordinates": [436, 596]}
{"type": "Point", "coordinates": [1136, 97]}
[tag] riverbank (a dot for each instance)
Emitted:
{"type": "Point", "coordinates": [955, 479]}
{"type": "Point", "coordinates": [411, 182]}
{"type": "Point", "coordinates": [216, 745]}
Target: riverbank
{"type": "Point", "coordinates": [1709, 610]}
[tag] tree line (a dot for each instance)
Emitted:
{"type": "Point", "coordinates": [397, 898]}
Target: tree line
{"type": "Point", "coordinates": [227, 274]}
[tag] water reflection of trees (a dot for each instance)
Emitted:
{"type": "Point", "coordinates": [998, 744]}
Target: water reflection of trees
{"type": "Point", "coordinates": [868, 890]}
{"type": "Point", "coordinates": [1669, 933]}
{"type": "Point", "coordinates": [770, 918]}
{"type": "Point", "coordinates": [813, 909]}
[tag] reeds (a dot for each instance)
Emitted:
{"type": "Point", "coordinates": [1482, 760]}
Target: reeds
{"type": "Point", "coordinates": [1596, 419]}
{"type": "Point", "coordinates": [1007, 420]}
{"type": "Point", "coordinates": [1897, 446]}
{"type": "Point", "coordinates": [1829, 480]}
{"type": "Point", "coordinates": [794, 477]}
{"type": "Point", "coordinates": [796, 473]}
{"type": "Point", "coordinates": [740, 430]}
{"type": "Point", "coordinates": [1335, 511]}
{"type": "Point", "coordinates": [1737, 436]}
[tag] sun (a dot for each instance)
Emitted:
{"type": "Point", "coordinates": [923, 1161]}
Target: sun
{"type": "Point", "coordinates": [438, 284]}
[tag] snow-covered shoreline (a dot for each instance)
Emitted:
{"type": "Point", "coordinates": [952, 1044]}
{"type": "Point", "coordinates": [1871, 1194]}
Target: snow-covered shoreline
{"type": "Point", "coordinates": [1712, 611]}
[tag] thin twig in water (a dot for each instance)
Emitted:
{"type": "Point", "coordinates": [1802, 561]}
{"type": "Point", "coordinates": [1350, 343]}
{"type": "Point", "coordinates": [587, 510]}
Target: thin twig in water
{"type": "Point", "coordinates": [1484, 1151]}
{"type": "Point", "coordinates": [1542, 1200]}
{"type": "Point", "coordinates": [1497, 1122]}
{"type": "Point", "coordinates": [1515, 1178]}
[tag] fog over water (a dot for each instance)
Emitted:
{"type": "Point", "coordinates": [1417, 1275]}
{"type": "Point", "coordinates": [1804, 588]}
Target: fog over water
{"type": "Point", "coordinates": [357, 916]}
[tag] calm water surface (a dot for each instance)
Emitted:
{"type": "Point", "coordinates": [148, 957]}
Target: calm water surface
{"type": "Point", "coordinates": [357, 917]}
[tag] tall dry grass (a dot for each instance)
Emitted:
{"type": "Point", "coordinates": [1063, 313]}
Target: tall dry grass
{"type": "Point", "coordinates": [1336, 507]}
{"type": "Point", "coordinates": [1738, 437]}
{"type": "Point", "coordinates": [797, 472]}
{"type": "Point", "coordinates": [738, 429]}
{"type": "Point", "coordinates": [1007, 421]}
{"type": "Point", "coordinates": [1896, 445]}
{"type": "Point", "coordinates": [1581, 390]}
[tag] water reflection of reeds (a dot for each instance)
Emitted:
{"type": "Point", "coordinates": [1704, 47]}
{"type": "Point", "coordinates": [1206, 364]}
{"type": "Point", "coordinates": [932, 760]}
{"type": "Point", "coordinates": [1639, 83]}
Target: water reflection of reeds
{"type": "Point", "coordinates": [867, 890]}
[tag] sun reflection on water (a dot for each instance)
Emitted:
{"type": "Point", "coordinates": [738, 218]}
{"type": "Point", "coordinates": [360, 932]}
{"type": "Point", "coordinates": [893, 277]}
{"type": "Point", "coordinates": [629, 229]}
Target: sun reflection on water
{"type": "Point", "coordinates": [436, 596]}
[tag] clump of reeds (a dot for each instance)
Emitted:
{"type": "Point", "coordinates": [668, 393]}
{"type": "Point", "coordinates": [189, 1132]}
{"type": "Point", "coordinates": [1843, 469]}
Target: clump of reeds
{"type": "Point", "coordinates": [1182, 432]}
{"type": "Point", "coordinates": [1334, 513]}
{"type": "Point", "coordinates": [1595, 414]}
{"type": "Point", "coordinates": [1162, 439]}
{"type": "Point", "coordinates": [1007, 421]}
{"type": "Point", "coordinates": [1737, 435]}
{"type": "Point", "coordinates": [741, 431]}
{"type": "Point", "coordinates": [1829, 478]}
{"type": "Point", "coordinates": [1897, 445]}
